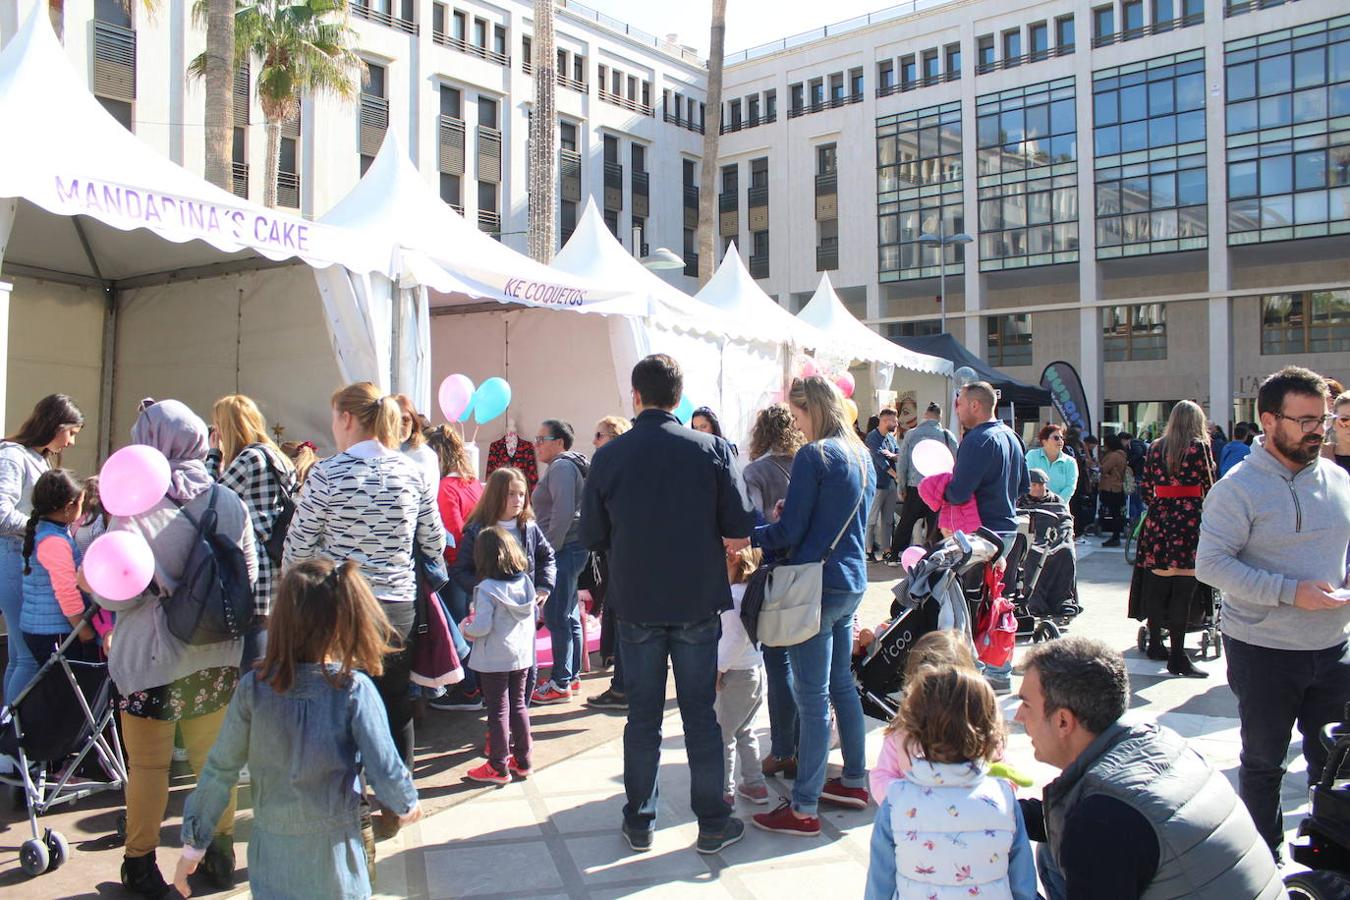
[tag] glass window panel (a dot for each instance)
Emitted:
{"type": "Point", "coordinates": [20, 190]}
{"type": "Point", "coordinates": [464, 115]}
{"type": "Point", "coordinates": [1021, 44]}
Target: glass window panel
{"type": "Point", "coordinates": [1191, 187]}
{"type": "Point", "coordinates": [1164, 225]}
{"type": "Point", "coordinates": [928, 142]}
{"type": "Point", "coordinates": [886, 152]}
{"type": "Point", "coordinates": [1242, 179]}
{"type": "Point", "coordinates": [1108, 232]}
{"type": "Point", "coordinates": [1133, 103]}
{"type": "Point", "coordinates": [1191, 222]}
{"type": "Point", "coordinates": [1107, 140]}
{"type": "Point", "coordinates": [1191, 92]}
{"type": "Point", "coordinates": [1310, 207]}
{"type": "Point", "coordinates": [1012, 125]}
{"type": "Point", "coordinates": [1108, 198]}
{"type": "Point", "coordinates": [1040, 239]}
{"type": "Point", "coordinates": [1274, 74]}
{"type": "Point", "coordinates": [1162, 131]}
{"type": "Point", "coordinates": [950, 138]}
{"type": "Point", "coordinates": [991, 215]}
{"type": "Point", "coordinates": [1340, 99]}
{"type": "Point", "coordinates": [1038, 208]}
{"type": "Point", "coordinates": [1241, 117]}
{"type": "Point", "coordinates": [1134, 194]}
{"type": "Point", "coordinates": [1105, 108]}
{"type": "Point", "coordinates": [1160, 99]}
{"type": "Point", "coordinates": [987, 131]}
{"type": "Point", "coordinates": [1012, 158]}
{"type": "Point", "coordinates": [991, 245]}
{"type": "Point", "coordinates": [1338, 62]}
{"type": "Point", "coordinates": [1062, 117]}
{"type": "Point", "coordinates": [1338, 165]}
{"type": "Point", "coordinates": [1310, 105]}
{"type": "Point", "coordinates": [1133, 137]}
{"type": "Point", "coordinates": [1276, 175]}
{"type": "Point", "coordinates": [1037, 122]}
{"type": "Point", "coordinates": [1066, 204]}
{"type": "Point", "coordinates": [1066, 238]}
{"type": "Point", "coordinates": [989, 160]}
{"type": "Point", "coordinates": [1064, 148]}
{"type": "Point", "coordinates": [1310, 170]}
{"type": "Point", "coordinates": [1164, 190]}
{"type": "Point", "coordinates": [1191, 126]}
{"type": "Point", "coordinates": [1310, 67]}
{"type": "Point", "coordinates": [1276, 111]}
{"type": "Point", "coordinates": [1244, 215]}
{"type": "Point", "coordinates": [1135, 229]}
{"type": "Point", "coordinates": [1277, 212]}
{"type": "Point", "coordinates": [1014, 211]}
{"type": "Point", "coordinates": [1242, 82]}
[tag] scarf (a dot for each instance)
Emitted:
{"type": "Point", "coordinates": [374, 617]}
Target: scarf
{"type": "Point", "coordinates": [177, 432]}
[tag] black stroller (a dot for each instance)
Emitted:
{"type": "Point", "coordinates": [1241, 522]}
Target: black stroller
{"type": "Point", "coordinates": [61, 724]}
{"type": "Point", "coordinates": [1327, 827]}
{"type": "Point", "coordinates": [1043, 572]}
{"type": "Point", "coordinates": [1205, 615]}
{"type": "Point", "coordinates": [930, 597]}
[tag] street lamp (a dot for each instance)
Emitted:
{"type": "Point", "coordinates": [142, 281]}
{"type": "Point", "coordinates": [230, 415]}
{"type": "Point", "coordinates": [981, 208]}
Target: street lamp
{"type": "Point", "coordinates": [942, 239]}
{"type": "Point", "coordinates": [661, 258]}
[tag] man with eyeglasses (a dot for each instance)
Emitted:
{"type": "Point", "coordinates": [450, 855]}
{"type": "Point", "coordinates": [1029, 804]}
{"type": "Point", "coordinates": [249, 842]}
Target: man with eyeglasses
{"type": "Point", "coordinates": [1274, 538]}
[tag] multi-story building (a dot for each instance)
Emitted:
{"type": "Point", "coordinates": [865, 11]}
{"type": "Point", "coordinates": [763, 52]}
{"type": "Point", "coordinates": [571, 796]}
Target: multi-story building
{"type": "Point", "coordinates": [1157, 191]}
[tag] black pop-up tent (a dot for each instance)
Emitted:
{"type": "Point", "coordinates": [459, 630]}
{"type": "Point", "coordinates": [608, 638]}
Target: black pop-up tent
{"type": "Point", "coordinates": [1018, 393]}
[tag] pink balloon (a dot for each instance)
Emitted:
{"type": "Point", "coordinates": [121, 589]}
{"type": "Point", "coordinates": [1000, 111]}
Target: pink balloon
{"type": "Point", "coordinates": [932, 457]}
{"type": "Point", "coordinates": [119, 565]}
{"type": "Point", "coordinates": [846, 384]}
{"type": "Point", "coordinates": [808, 369]}
{"type": "Point", "coordinates": [910, 558]}
{"type": "Point", "coordinates": [133, 480]}
{"type": "Point", "coordinates": [455, 393]}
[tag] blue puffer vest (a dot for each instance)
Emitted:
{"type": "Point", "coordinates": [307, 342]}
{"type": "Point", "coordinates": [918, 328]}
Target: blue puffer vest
{"type": "Point", "coordinates": [41, 611]}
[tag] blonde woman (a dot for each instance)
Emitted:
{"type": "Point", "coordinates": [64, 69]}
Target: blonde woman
{"type": "Point", "coordinates": [832, 483]}
{"type": "Point", "coordinates": [244, 459]}
{"type": "Point", "coordinates": [414, 443]}
{"type": "Point", "coordinates": [615, 697]}
{"type": "Point", "coordinates": [608, 428]}
{"type": "Point", "coordinates": [1178, 473]}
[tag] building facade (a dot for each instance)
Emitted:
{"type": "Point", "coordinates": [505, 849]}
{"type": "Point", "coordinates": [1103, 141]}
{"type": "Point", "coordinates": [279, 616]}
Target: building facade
{"type": "Point", "coordinates": [1157, 191]}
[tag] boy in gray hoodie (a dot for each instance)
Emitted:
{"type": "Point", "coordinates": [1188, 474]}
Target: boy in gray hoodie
{"type": "Point", "coordinates": [1274, 538]}
{"type": "Point", "coordinates": [501, 627]}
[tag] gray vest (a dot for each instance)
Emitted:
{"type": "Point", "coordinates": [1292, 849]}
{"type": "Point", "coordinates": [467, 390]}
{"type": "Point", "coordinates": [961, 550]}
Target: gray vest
{"type": "Point", "coordinates": [1207, 844]}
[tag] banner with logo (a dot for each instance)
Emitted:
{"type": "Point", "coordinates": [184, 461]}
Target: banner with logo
{"type": "Point", "coordinates": [1066, 392]}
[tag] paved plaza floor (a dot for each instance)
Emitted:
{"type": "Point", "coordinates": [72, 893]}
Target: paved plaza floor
{"type": "Point", "coordinates": [557, 834]}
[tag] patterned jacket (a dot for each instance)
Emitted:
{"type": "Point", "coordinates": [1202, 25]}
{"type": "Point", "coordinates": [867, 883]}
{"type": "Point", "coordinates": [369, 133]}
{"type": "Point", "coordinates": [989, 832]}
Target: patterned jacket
{"type": "Point", "coordinates": [523, 459]}
{"type": "Point", "coordinates": [259, 486]}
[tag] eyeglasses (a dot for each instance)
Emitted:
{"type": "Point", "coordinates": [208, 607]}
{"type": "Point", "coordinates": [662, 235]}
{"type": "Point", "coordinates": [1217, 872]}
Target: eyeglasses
{"type": "Point", "coordinates": [602, 434]}
{"type": "Point", "coordinates": [1308, 424]}
{"type": "Point", "coordinates": [541, 438]}
{"type": "Point", "coordinates": [1057, 437]}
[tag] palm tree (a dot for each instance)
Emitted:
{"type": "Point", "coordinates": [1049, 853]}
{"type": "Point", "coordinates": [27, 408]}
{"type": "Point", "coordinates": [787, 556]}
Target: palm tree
{"type": "Point", "coordinates": [712, 127]}
{"type": "Point", "coordinates": [304, 46]}
{"type": "Point", "coordinates": [217, 66]}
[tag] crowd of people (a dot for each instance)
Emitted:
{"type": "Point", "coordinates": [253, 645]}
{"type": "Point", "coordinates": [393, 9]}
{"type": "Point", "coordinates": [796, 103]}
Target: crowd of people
{"type": "Point", "coordinates": [675, 539]}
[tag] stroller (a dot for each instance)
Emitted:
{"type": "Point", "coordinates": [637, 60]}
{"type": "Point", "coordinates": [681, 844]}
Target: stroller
{"type": "Point", "coordinates": [930, 597]}
{"type": "Point", "coordinates": [65, 714]}
{"type": "Point", "coordinates": [1327, 827]}
{"type": "Point", "coordinates": [1206, 611]}
{"type": "Point", "coordinates": [1043, 572]}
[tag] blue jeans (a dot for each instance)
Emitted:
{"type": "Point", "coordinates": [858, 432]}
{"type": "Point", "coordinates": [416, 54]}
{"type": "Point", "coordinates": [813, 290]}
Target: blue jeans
{"type": "Point", "coordinates": [563, 616]}
{"type": "Point", "coordinates": [21, 667]}
{"type": "Point", "coordinates": [455, 603]}
{"type": "Point", "coordinates": [616, 682]}
{"type": "Point", "coordinates": [255, 648]}
{"type": "Point", "coordinates": [1135, 505]}
{"type": "Point", "coordinates": [821, 677]}
{"type": "Point", "coordinates": [691, 649]}
{"type": "Point", "coordinates": [783, 726]}
{"type": "Point", "coordinates": [1275, 690]}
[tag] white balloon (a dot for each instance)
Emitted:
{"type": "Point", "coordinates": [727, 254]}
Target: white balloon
{"type": "Point", "coordinates": [932, 457]}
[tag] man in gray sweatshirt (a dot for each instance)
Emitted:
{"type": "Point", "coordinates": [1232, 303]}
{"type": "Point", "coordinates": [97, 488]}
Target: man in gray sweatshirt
{"type": "Point", "coordinates": [557, 506]}
{"type": "Point", "coordinates": [1273, 538]}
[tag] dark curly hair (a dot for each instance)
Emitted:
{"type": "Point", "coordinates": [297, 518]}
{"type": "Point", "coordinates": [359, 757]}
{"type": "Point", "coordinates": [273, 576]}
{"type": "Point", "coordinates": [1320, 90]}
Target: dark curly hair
{"type": "Point", "coordinates": [55, 490]}
{"type": "Point", "coordinates": [774, 432]}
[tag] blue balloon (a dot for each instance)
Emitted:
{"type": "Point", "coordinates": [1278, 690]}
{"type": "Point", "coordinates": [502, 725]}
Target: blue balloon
{"type": "Point", "coordinates": [685, 410]}
{"type": "Point", "coordinates": [491, 400]}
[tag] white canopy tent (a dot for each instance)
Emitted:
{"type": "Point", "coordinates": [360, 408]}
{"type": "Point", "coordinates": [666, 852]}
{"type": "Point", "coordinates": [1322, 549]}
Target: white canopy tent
{"type": "Point", "coordinates": [132, 276]}
{"type": "Point", "coordinates": [730, 364]}
{"type": "Point", "coordinates": [736, 293]}
{"type": "Point", "coordinates": [880, 366]}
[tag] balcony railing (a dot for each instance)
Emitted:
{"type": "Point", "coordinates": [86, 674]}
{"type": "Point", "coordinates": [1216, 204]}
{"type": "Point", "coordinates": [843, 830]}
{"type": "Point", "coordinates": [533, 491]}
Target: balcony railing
{"type": "Point", "coordinates": [374, 123]}
{"type": "Point", "coordinates": [1242, 7]}
{"type": "Point", "coordinates": [613, 186]}
{"type": "Point", "coordinates": [463, 46]}
{"type": "Point", "coordinates": [490, 222]}
{"type": "Point", "coordinates": [239, 181]}
{"type": "Point", "coordinates": [489, 154]}
{"type": "Point", "coordinates": [571, 84]}
{"type": "Point", "coordinates": [450, 156]}
{"type": "Point", "coordinates": [114, 61]}
{"type": "Point", "coordinates": [288, 190]}
{"type": "Point", "coordinates": [569, 174]}
{"type": "Point", "coordinates": [827, 258]}
{"type": "Point", "coordinates": [1012, 62]}
{"type": "Point", "coordinates": [726, 201]}
{"type": "Point", "coordinates": [758, 196]}
{"type": "Point", "coordinates": [621, 100]}
{"type": "Point", "coordinates": [363, 11]}
{"type": "Point", "coordinates": [1133, 34]}
{"type": "Point", "coordinates": [759, 266]}
{"type": "Point", "coordinates": [832, 103]}
{"type": "Point", "coordinates": [675, 119]}
{"type": "Point", "coordinates": [691, 196]}
{"type": "Point", "coordinates": [827, 184]}
{"type": "Point", "coordinates": [749, 122]}
{"type": "Point", "coordinates": [691, 265]}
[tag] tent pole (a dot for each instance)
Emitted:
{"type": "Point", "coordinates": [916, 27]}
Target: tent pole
{"type": "Point", "coordinates": [396, 343]}
{"type": "Point", "coordinates": [8, 209]}
{"type": "Point", "coordinates": [107, 374]}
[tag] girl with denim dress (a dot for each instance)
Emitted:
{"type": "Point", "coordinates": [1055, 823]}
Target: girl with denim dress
{"type": "Point", "coordinates": [309, 723]}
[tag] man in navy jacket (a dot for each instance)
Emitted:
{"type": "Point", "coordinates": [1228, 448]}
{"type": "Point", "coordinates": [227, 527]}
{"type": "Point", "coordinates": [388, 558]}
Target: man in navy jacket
{"type": "Point", "coordinates": [660, 499]}
{"type": "Point", "coordinates": [990, 466]}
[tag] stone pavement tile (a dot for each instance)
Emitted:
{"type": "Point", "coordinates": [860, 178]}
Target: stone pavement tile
{"type": "Point", "coordinates": [1210, 728]}
{"type": "Point", "coordinates": [572, 813]}
{"type": "Point", "coordinates": [503, 820]}
{"type": "Point", "coordinates": [467, 870]}
{"type": "Point", "coordinates": [824, 880]}
{"type": "Point", "coordinates": [708, 887]}
{"type": "Point", "coordinates": [759, 848]}
{"type": "Point", "coordinates": [580, 773]}
{"type": "Point", "coordinates": [605, 859]}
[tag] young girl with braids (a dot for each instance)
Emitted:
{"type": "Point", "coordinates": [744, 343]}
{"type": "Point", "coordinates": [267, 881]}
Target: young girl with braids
{"type": "Point", "coordinates": [52, 603]}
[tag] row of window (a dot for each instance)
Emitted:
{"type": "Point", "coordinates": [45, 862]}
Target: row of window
{"type": "Point", "coordinates": [752, 110]}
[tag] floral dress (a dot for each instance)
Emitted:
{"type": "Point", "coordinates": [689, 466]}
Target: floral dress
{"type": "Point", "coordinates": [1172, 525]}
{"type": "Point", "coordinates": [199, 694]}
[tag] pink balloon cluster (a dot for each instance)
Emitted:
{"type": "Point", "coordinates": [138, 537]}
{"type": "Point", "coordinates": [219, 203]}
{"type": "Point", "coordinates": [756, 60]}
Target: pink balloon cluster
{"type": "Point", "coordinates": [846, 384]}
{"type": "Point", "coordinates": [910, 558]}
{"type": "Point", "coordinates": [455, 395]}
{"type": "Point", "coordinates": [133, 480]}
{"type": "Point", "coordinates": [119, 565]}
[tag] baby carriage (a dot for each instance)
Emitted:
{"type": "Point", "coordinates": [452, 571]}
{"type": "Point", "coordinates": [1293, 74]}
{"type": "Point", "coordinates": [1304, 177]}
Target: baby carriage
{"type": "Point", "coordinates": [61, 724]}
{"type": "Point", "coordinates": [1042, 572]}
{"type": "Point", "coordinates": [930, 597]}
{"type": "Point", "coordinates": [1327, 827]}
{"type": "Point", "coordinates": [1204, 619]}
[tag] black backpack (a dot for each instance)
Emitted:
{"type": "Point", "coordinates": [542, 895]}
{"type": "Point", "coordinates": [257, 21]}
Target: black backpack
{"type": "Point", "coordinates": [276, 541]}
{"type": "Point", "coordinates": [214, 598]}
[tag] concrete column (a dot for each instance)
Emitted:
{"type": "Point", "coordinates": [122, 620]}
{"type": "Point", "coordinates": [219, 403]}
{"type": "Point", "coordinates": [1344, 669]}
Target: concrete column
{"type": "Point", "coordinates": [8, 209]}
{"type": "Point", "coordinates": [972, 283]}
{"type": "Point", "coordinates": [1090, 366]}
{"type": "Point", "coordinates": [873, 301]}
{"type": "Point", "coordinates": [1220, 309]}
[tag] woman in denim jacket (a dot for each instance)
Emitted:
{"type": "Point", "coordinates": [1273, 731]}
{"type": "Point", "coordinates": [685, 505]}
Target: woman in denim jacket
{"type": "Point", "coordinates": [308, 725]}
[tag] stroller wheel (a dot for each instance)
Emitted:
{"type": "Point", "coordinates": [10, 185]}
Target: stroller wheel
{"type": "Point", "coordinates": [1045, 631]}
{"type": "Point", "coordinates": [33, 857]}
{"type": "Point", "coordinates": [58, 848]}
{"type": "Point", "coordinates": [1321, 884]}
{"type": "Point", "coordinates": [1143, 639]}
{"type": "Point", "coordinates": [1204, 645]}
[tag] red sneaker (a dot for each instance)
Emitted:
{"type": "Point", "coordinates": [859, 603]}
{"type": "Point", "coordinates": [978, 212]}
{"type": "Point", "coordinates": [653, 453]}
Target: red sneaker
{"type": "Point", "coordinates": [784, 821]}
{"type": "Point", "coordinates": [515, 769]}
{"type": "Point", "coordinates": [835, 792]}
{"type": "Point", "coordinates": [549, 693]}
{"type": "Point", "coordinates": [488, 775]}
{"type": "Point", "coordinates": [574, 688]}
{"type": "Point", "coordinates": [755, 793]}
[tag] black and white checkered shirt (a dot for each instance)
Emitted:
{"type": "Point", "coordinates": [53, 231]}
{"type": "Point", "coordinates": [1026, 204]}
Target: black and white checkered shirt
{"type": "Point", "coordinates": [258, 486]}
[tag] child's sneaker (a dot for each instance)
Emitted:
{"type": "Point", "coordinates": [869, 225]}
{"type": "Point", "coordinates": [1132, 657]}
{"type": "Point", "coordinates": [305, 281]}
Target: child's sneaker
{"type": "Point", "coordinates": [514, 768]}
{"type": "Point", "coordinates": [488, 775]}
{"type": "Point", "coordinates": [835, 792]}
{"type": "Point", "coordinates": [755, 793]}
{"type": "Point", "coordinates": [575, 688]}
{"type": "Point", "coordinates": [550, 693]}
{"type": "Point", "coordinates": [783, 821]}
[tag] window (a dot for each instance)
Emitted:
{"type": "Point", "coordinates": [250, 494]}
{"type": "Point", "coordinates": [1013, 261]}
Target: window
{"type": "Point", "coordinates": [1149, 139]}
{"type": "Point", "coordinates": [855, 84]}
{"type": "Point", "coordinates": [752, 108]}
{"type": "Point", "coordinates": [1132, 18]}
{"type": "Point", "coordinates": [499, 40]}
{"type": "Point", "coordinates": [913, 329]}
{"type": "Point", "coordinates": [113, 12]}
{"type": "Point", "coordinates": [1038, 35]}
{"type": "Point", "coordinates": [827, 245]}
{"type": "Point", "coordinates": [1028, 215]}
{"type": "Point", "coordinates": [562, 63]}
{"type": "Point", "coordinates": [1104, 24]}
{"type": "Point", "coordinates": [735, 114]}
{"type": "Point", "coordinates": [1164, 11]}
{"type": "Point", "coordinates": [826, 159]}
{"type": "Point", "coordinates": [616, 82]}
{"type": "Point", "coordinates": [1288, 153]}
{"type": "Point", "coordinates": [953, 61]}
{"type": "Point", "coordinates": [731, 179]}
{"type": "Point", "coordinates": [985, 52]}
{"type": "Point", "coordinates": [438, 18]}
{"type": "Point", "coordinates": [1314, 322]}
{"type": "Point", "coordinates": [907, 73]}
{"type": "Point", "coordinates": [602, 77]}
{"type": "Point", "coordinates": [817, 87]}
{"type": "Point", "coordinates": [364, 165]}
{"type": "Point", "coordinates": [480, 33]}
{"type": "Point", "coordinates": [759, 257]}
{"type": "Point", "coordinates": [837, 87]}
{"type": "Point", "coordinates": [1007, 340]}
{"type": "Point", "coordinates": [567, 220]}
{"type": "Point", "coordinates": [579, 68]}
{"type": "Point", "coordinates": [373, 84]}
{"type": "Point", "coordinates": [451, 190]}
{"type": "Point", "coordinates": [885, 75]}
{"type": "Point", "coordinates": [632, 88]}
{"type": "Point", "coordinates": [1135, 333]}
{"type": "Point", "coordinates": [487, 112]}
{"type": "Point", "coordinates": [1064, 37]}
{"type": "Point", "coordinates": [119, 110]}
{"type": "Point", "coordinates": [451, 102]}
{"type": "Point", "coordinates": [612, 222]}
{"type": "Point", "coordinates": [770, 105]}
{"type": "Point", "coordinates": [460, 26]}
{"type": "Point", "coordinates": [797, 98]}
{"type": "Point", "coordinates": [1012, 47]}
{"type": "Point", "coordinates": [759, 176]}
{"type": "Point", "coordinates": [526, 53]}
{"type": "Point", "coordinates": [646, 93]}
{"type": "Point", "coordinates": [919, 184]}
{"type": "Point", "coordinates": [932, 69]}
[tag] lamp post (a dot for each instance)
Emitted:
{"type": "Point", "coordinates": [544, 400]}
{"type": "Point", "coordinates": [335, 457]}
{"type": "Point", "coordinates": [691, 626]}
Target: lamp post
{"type": "Point", "coordinates": [942, 239]}
{"type": "Point", "coordinates": [660, 258]}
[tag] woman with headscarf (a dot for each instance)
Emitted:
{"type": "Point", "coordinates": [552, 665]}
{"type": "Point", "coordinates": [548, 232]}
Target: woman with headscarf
{"type": "Point", "coordinates": [164, 683]}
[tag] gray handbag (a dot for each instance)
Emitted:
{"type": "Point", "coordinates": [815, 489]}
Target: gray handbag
{"type": "Point", "coordinates": [792, 593]}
